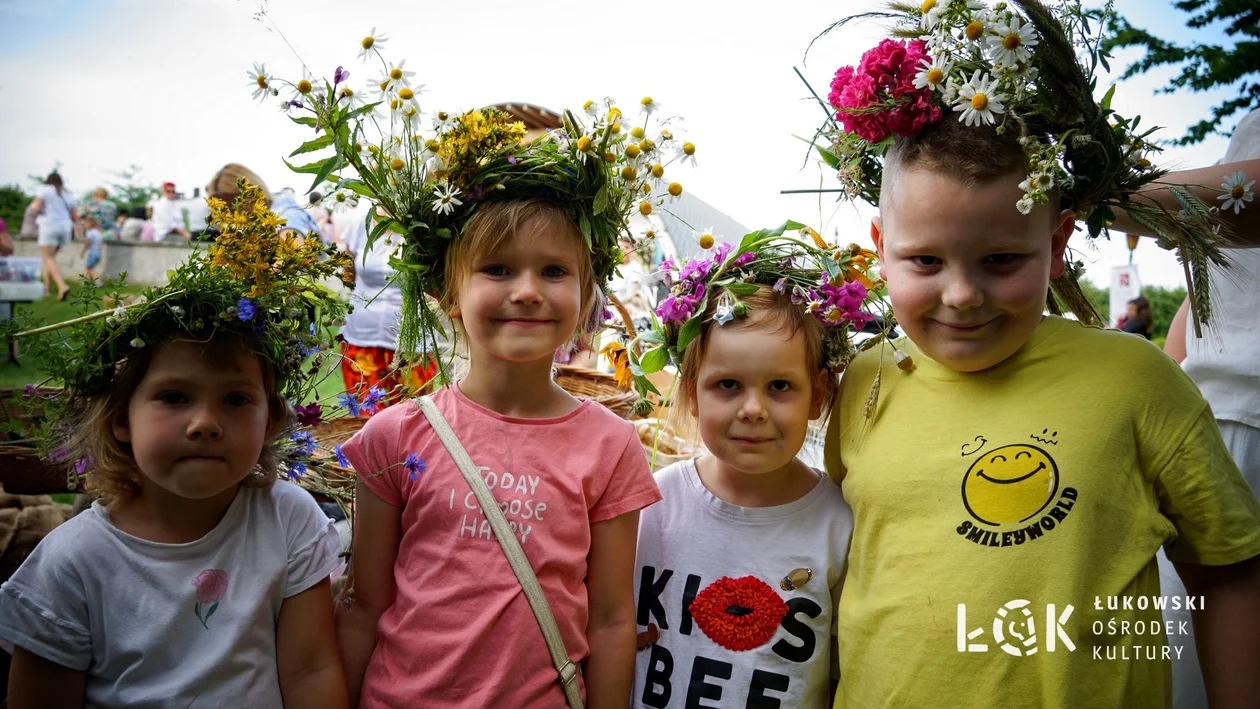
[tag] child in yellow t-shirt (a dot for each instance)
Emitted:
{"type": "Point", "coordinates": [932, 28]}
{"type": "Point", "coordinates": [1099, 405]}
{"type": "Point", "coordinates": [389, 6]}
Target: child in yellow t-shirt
{"type": "Point", "coordinates": [1013, 474]}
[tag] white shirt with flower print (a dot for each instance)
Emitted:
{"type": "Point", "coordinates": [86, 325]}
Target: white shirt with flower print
{"type": "Point", "coordinates": [171, 625]}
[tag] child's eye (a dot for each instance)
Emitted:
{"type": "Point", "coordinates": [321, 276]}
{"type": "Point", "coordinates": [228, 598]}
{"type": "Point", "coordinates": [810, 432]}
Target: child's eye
{"type": "Point", "coordinates": [727, 385]}
{"type": "Point", "coordinates": [554, 272]}
{"type": "Point", "coordinates": [780, 385]}
{"type": "Point", "coordinates": [1003, 260]}
{"type": "Point", "coordinates": [925, 260]}
{"type": "Point", "coordinates": [172, 398]}
{"type": "Point", "coordinates": [495, 270]}
{"type": "Point", "coordinates": [237, 399]}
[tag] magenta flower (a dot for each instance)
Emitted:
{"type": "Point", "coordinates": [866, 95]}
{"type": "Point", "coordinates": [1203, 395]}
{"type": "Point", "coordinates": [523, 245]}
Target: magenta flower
{"type": "Point", "coordinates": [308, 415]}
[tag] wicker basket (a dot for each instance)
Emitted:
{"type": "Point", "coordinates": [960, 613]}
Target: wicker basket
{"type": "Point", "coordinates": [664, 440]}
{"type": "Point", "coordinates": [601, 387]}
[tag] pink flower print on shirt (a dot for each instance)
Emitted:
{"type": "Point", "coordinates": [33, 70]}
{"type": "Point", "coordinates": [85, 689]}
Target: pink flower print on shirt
{"type": "Point", "coordinates": [211, 587]}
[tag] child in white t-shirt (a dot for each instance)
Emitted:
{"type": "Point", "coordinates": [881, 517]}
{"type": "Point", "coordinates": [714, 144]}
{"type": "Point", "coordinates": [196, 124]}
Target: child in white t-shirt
{"type": "Point", "coordinates": [92, 247]}
{"type": "Point", "coordinates": [739, 567]}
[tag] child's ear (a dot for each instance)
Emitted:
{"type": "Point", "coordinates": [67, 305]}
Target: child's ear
{"type": "Point", "coordinates": [122, 428]}
{"type": "Point", "coordinates": [279, 415]}
{"type": "Point", "coordinates": [877, 236]}
{"type": "Point", "coordinates": [1059, 240]}
{"type": "Point", "coordinates": [693, 404]}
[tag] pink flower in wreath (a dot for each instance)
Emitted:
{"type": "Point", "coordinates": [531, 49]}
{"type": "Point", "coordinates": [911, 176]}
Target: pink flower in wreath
{"type": "Point", "coordinates": [211, 585]}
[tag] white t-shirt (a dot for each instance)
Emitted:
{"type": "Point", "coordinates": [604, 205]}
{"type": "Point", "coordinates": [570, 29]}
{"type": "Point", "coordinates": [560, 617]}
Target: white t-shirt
{"type": "Point", "coordinates": [695, 555]}
{"type": "Point", "coordinates": [56, 206]}
{"type": "Point", "coordinates": [167, 217]}
{"type": "Point", "coordinates": [1225, 364]}
{"type": "Point", "coordinates": [171, 625]}
{"type": "Point", "coordinates": [377, 301]}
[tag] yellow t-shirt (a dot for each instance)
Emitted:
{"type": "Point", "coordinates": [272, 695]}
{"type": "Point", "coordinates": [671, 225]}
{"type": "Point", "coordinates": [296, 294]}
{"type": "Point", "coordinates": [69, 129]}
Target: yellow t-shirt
{"type": "Point", "coordinates": [986, 504]}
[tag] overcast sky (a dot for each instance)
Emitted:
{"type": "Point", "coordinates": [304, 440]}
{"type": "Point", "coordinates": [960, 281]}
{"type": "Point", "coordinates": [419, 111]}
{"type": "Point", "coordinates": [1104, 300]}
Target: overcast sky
{"type": "Point", "coordinates": [102, 84]}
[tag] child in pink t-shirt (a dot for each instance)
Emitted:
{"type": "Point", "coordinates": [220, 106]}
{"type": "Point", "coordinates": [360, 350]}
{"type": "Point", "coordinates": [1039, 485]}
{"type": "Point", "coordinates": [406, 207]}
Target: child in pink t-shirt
{"type": "Point", "coordinates": [437, 618]}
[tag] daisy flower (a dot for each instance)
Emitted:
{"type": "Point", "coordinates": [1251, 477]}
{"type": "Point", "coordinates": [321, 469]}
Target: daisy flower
{"type": "Point", "coordinates": [343, 201]}
{"type": "Point", "coordinates": [1236, 193]}
{"type": "Point", "coordinates": [370, 43]}
{"type": "Point", "coordinates": [407, 95]}
{"type": "Point", "coordinates": [308, 85]}
{"type": "Point", "coordinates": [397, 76]}
{"type": "Point", "coordinates": [979, 101]}
{"type": "Point", "coordinates": [352, 98]}
{"type": "Point", "coordinates": [1011, 42]}
{"type": "Point", "coordinates": [979, 26]}
{"type": "Point", "coordinates": [591, 108]}
{"type": "Point", "coordinates": [443, 122]}
{"type": "Point", "coordinates": [446, 199]}
{"type": "Point", "coordinates": [931, 13]}
{"type": "Point", "coordinates": [649, 106]}
{"type": "Point", "coordinates": [261, 81]}
{"type": "Point", "coordinates": [932, 73]}
{"type": "Point", "coordinates": [687, 154]}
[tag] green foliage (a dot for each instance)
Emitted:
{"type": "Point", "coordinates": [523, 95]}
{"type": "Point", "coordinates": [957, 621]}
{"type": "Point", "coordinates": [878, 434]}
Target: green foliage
{"type": "Point", "coordinates": [1098, 297]}
{"type": "Point", "coordinates": [129, 191]}
{"type": "Point", "coordinates": [1164, 304]}
{"type": "Point", "coordinates": [1203, 66]}
{"type": "Point", "coordinates": [13, 203]}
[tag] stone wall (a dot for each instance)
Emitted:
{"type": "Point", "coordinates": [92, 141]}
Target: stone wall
{"type": "Point", "coordinates": [145, 262]}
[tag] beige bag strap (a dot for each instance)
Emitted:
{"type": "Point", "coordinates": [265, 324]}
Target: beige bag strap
{"type": "Point", "coordinates": [512, 548]}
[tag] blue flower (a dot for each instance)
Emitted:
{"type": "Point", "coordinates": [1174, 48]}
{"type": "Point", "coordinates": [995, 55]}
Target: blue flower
{"type": "Point", "coordinates": [414, 465]}
{"type": "Point", "coordinates": [245, 309]}
{"type": "Point", "coordinates": [342, 460]}
{"type": "Point", "coordinates": [372, 400]}
{"type": "Point", "coordinates": [349, 403]}
{"type": "Point", "coordinates": [305, 442]}
{"type": "Point", "coordinates": [296, 470]}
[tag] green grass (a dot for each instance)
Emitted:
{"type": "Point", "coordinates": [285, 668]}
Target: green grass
{"type": "Point", "coordinates": [48, 310]}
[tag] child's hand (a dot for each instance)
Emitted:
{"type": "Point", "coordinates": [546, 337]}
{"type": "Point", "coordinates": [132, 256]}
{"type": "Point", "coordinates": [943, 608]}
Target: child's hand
{"type": "Point", "coordinates": [307, 659]}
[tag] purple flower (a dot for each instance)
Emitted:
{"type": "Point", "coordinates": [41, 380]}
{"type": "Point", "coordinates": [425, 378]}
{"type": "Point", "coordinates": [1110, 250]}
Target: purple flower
{"type": "Point", "coordinates": [305, 442]}
{"type": "Point", "coordinates": [349, 403]}
{"type": "Point", "coordinates": [342, 460]}
{"type": "Point", "coordinates": [59, 454]}
{"type": "Point", "coordinates": [308, 415]}
{"type": "Point", "coordinates": [83, 465]}
{"type": "Point", "coordinates": [744, 259]}
{"type": "Point", "coordinates": [339, 76]}
{"type": "Point", "coordinates": [414, 465]}
{"type": "Point", "coordinates": [512, 160]}
{"type": "Point", "coordinates": [780, 286]}
{"type": "Point", "coordinates": [29, 391]}
{"type": "Point", "coordinates": [372, 400]}
{"type": "Point", "coordinates": [245, 309]}
{"type": "Point", "coordinates": [721, 251]}
{"type": "Point", "coordinates": [296, 470]}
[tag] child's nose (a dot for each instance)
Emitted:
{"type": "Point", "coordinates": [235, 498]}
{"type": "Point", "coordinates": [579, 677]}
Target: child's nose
{"type": "Point", "coordinates": [527, 288]}
{"type": "Point", "coordinates": [752, 409]}
{"type": "Point", "coordinates": [204, 425]}
{"type": "Point", "coordinates": [961, 293]}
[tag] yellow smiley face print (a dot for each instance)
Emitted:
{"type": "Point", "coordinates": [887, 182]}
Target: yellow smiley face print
{"type": "Point", "coordinates": [1010, 484]}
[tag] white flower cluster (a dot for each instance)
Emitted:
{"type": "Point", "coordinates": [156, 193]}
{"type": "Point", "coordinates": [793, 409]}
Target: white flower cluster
{"type": "Point", "coordinates": [1043, 171]}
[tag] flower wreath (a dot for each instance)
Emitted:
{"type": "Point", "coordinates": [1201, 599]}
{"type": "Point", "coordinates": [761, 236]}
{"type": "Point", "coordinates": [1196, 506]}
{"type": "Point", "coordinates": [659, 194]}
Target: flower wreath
{"type": "Point", "coordinates": [428, 184]}
{"type": "Point", "coordinates": [832, 283]}
{"type": "Point", "coordinates": [1015, 66]}
{"type": "Point", "coordinates": [251, 282]}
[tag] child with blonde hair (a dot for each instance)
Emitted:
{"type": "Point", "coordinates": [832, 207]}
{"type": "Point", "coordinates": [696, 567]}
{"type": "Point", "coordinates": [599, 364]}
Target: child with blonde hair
{"type": "Point", "coordinates": [196, 577]}
{"type": "Point", "coordinates": [518, 245]}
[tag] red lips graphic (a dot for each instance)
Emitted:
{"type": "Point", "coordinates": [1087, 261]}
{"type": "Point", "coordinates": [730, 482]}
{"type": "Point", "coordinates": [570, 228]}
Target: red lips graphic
{"type": "Point", "coordinates": [739, 614]}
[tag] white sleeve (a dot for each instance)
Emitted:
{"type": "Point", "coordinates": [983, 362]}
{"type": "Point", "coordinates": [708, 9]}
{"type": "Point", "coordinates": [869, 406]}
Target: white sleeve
{"type": "Point", "coordinates": [313, 542]}
{"type": "Point", "coordinates": [44, 606]}
{"type": "Point", "coordinates": [355, 237]}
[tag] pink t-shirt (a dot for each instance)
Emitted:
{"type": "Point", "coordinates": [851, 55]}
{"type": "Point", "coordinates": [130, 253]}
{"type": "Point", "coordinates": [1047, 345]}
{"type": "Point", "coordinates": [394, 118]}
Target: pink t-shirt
{"type": "Point", "coordinates": [460, 632]}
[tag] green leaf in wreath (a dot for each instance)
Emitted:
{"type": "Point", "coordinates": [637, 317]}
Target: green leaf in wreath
{"type": "Point", "coordinates": [654, 360]}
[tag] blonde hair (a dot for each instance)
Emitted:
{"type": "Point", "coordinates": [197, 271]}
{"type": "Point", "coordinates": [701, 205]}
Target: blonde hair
{"type": "Point", "coordinates": [100, 192]}
{"type": "Point", "coordinates": [494, 225]}
{"type": "Point", "coordinates": [768, 310]}
{"type": "Point", "coordinates": [223, 184]}
{"type": "Point", "coordinates": [111, 472]}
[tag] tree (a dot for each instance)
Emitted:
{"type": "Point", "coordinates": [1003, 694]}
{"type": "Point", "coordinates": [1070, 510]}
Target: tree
{"type": "Point", "coordinates": [1097, 297]}
{"type": "Point", "coordinates": [128, 192]}
{"type": "Point", "coordinates": [1203, 66]}
{"type": "Point", "coordinates": [1164, 303]}
{"type": "Point", "coordinates": [13, 203]}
